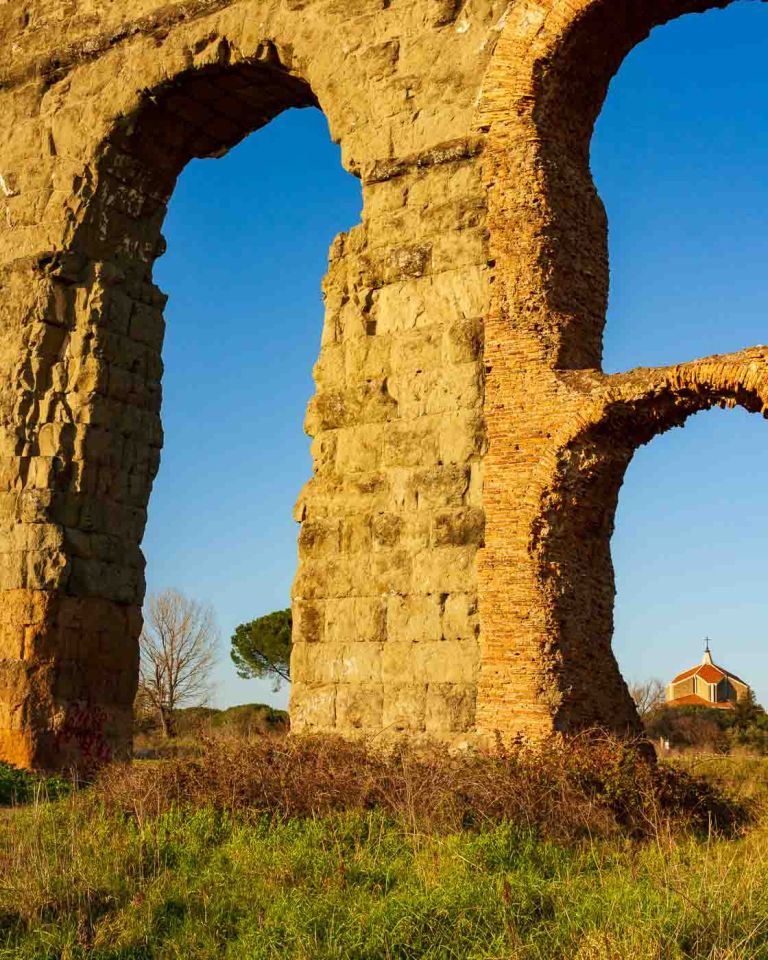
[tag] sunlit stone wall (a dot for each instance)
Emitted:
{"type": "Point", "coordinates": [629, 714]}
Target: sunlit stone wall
{"type": "Point", "coordinates": [455, 577]}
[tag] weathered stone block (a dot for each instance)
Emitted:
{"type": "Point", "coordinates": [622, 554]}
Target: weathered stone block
{"type": "Point", "coordinates": [360, 663]}
{"type": "Point", "coordinates": [416, 351]}
{"type": "Point", "coordinates": [414, 618]}
{"type": "Point", "coordinates": [450, 707]}
{"type": "Point", "coordinates": [404, 708]}
{"type": "Point", "coordinates": [359, 707]}
{"type": "Point", "coordinates": [360, 449]}
{"type": "Point", "coordinates": [12, 642]}
{"type": "Point", "coordinates": [439, 391]}
{"type": "Point", "coordinates": [313, 706]}
{"type": "Point", "coordinates": [370, 618]}
{"type": "Point", "coordinates": [398, 660]}
{"type": "Point", "coordinates": [317, 663]}
{"type": "Point", "coordinates": [441, 486]}
{"type": "Point", "coordinates": [458, 527]}
{"type": "Point", "coordinates": [461, 437]}
{"type": "Point", "coordinates": [308, 621]}
{"type": "Point", "coordinates": [356, 534]}
{"type": "Point", "coordinates": [412, 443]}
{"type": "Point", "coordinates": [410, 261]}
{"type": "Point", "coordinates": [370, 402]}
{"type": "Point", "coordinates": [368, 356]}
{"type": "Point", "coordinates": [330, 370]}
{"type": "Point", "coordinates": [320, 538]}
{"type": "Point", "coordinates": [386, 530]}
{"type": "Point", "coordinates": [464, 341]}
{"type": "Point", "coordinates": [390, 571]}
{"type": "Point", "coordinates": [324, 453]}
{"type": "Point", "coordinates": [355, 619]}
{"type": "Point", "coordinates": [400, 306]}
{"type": "Point", "coordinates": [460, 620]}
{"type": "Point", "coordinates": [448, 661]}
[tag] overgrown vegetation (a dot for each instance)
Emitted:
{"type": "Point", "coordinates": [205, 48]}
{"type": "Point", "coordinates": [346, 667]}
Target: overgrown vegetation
{"type": "Point", "coordinates": [178, 653]}
{"type": "Point", "coordinates": [364, 887]}
{"type": "Point", "coordinates": [19, 787]}
{"type": "Point", "coordinates": [305, 849]}
{"type": "Point", "coordinates": [743, 728]}
{"type": "Point", "coordinates": [244, 720]}
{"type": "Point", "coordinates": [565, 790]}
{"type": "Point", "coordinates": [193, 726]}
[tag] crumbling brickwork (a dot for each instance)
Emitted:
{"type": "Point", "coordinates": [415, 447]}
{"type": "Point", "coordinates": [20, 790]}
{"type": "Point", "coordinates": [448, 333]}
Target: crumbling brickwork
{"type": "Point", "coordinates": [455, 576]}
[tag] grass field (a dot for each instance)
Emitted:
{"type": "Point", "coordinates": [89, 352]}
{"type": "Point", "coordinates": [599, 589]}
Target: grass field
{"type": "Point", "coordinates": [86, 876]}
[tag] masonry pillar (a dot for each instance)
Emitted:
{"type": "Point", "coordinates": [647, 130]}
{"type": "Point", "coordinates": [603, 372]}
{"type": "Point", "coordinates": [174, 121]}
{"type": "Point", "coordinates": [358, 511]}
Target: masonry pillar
{"type": "Point", "coordinates": [79, 446]}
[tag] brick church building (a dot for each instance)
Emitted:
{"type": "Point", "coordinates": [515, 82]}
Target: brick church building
{"type": "Point", "coordinates": [706, 685]}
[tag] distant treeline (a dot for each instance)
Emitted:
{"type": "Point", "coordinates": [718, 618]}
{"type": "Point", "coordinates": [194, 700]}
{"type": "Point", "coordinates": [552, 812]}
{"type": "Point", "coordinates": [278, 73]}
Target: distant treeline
{"type": "Point", "coordinates": [245, 719]}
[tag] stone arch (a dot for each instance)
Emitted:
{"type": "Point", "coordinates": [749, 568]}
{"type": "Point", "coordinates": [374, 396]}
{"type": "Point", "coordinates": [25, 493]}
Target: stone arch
{"type": "Point", "coordinates": [461, 422]}
{"type": "Point", "coordinates": [561, 433]}
{"type": "Point", "coordinates": [93, 411]}
{"type": "Point", "coordinates": [578, 487]}
{"type": "Point", "coordinates": [200, 113]}
{"type": "Point", "coordinates": [385, 599]}
{"type": "Point", "coordinates": [541, 97]}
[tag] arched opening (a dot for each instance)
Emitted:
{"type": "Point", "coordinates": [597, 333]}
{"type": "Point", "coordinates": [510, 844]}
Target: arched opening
{"type": "Point", "coordinates": [104, 320]}
{"type": "Point", "coordinates": [676, 157]}
{"type": "Point", "coordinates": [186, 127]}
{"type": "Point", "coordinates": [690, 526]}
{"type": "Point", "coordinates": [247, 246]}
{"type": "Point", "coordinates": [385, 613]}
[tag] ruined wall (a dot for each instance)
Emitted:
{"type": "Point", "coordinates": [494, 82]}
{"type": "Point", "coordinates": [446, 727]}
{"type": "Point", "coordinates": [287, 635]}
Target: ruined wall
{"type": "Point", "coordinates": [455, 574]}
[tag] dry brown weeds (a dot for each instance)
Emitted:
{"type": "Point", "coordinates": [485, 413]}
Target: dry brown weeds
{"type": "Point", "coordinates": [593, 785]}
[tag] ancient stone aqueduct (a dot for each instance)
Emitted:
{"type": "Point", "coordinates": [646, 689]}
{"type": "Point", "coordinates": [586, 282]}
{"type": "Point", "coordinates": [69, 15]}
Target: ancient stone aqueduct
{"type": "Point", "coordinates": [455, 576]}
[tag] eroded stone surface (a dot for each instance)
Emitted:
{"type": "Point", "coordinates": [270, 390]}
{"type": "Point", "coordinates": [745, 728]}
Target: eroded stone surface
{"type": "Point", "coordinates": [455, 576]}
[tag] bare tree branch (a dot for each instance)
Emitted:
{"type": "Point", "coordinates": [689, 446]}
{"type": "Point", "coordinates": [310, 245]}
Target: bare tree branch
{"type": "Point", "coordinates": [178, 652]}
{"type": "Point", "coordinates": [648, 696]}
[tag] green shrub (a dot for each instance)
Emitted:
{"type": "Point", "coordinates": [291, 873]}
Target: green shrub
{"type": "Point", "coordinates": [247, 719]}
{"type": "Point", "coordinates": [19, 787]}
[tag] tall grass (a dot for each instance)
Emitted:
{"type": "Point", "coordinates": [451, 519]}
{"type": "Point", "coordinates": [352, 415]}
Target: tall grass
{"type": "Point", "coordinates": [117, 873]}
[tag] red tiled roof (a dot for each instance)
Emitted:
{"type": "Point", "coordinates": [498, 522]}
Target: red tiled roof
{"type": "Point", "coordinates": [684, 676]}
{"type": "Point", "coordinates": [694, 700]}
{"type": "Point", "coordinates": [710, 673]}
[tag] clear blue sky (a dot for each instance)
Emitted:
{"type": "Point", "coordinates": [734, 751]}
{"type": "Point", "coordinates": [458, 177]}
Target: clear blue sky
{"type": "Point", "coordinates": [679, 156]}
